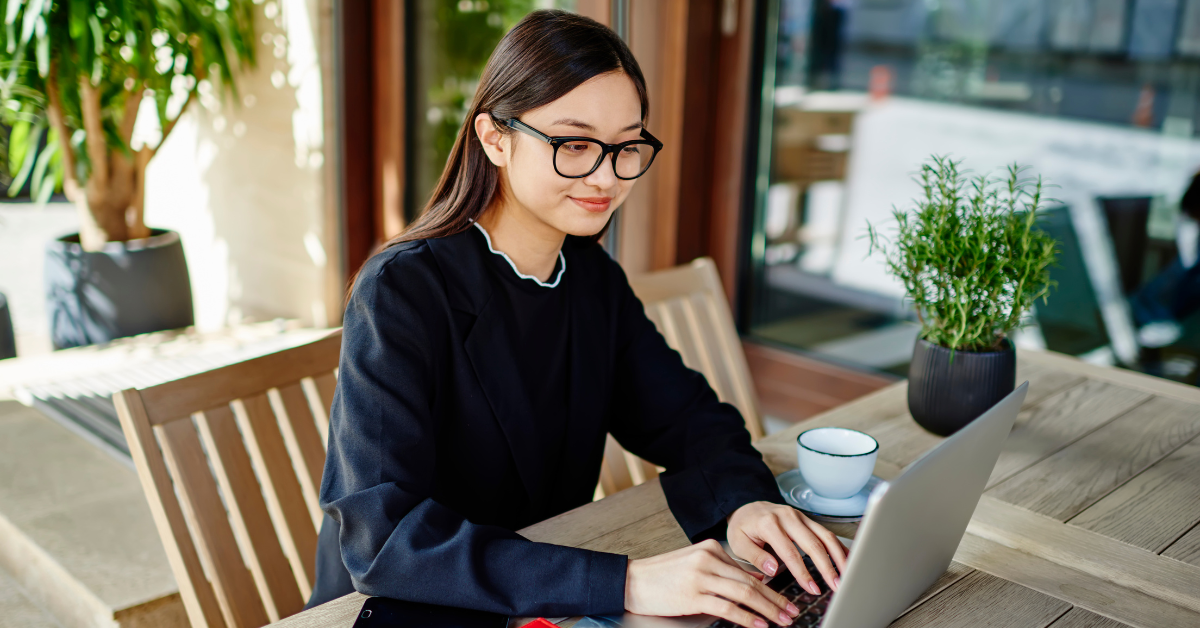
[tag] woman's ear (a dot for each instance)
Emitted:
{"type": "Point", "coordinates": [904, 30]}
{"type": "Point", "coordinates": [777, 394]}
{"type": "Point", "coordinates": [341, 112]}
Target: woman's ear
{"type": "Point", "coordinates": [494, 144]}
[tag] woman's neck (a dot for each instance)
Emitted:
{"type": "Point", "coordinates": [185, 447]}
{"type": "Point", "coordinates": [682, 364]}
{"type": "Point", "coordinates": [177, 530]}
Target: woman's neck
{"type": "Point", "coordinates": [531, 244]}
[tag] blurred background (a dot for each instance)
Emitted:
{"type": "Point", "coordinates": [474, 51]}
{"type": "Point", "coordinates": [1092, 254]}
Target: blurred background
{"type": "Point", "coordinates": [790, 125]}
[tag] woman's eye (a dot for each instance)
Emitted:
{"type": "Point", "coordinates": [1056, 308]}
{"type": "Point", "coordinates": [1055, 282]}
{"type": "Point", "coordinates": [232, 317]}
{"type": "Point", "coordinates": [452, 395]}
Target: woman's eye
{"type": "Point", "coordinates": [631, 150]}
{"type": "Point", "coordinates": [579, 147]}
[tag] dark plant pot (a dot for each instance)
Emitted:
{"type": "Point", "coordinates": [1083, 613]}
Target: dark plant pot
{"type": "Point", "coordinates": [945, 395]}
{"type": "Point", "coordinates": [129, 288]}
{"type": "Point", "coordinates": [8, 342]}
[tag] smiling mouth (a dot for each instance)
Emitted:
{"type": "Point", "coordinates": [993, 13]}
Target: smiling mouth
{"type": "Point", "coordinates": [593, 204]}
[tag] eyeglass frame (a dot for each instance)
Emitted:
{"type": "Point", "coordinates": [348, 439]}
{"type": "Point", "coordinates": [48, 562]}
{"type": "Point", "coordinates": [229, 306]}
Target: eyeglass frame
{"type": "Point", "coordinates": [606, 149]}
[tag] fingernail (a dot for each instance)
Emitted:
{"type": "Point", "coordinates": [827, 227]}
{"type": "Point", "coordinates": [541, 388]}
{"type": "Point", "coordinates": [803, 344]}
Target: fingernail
{"type": "Point", "coordinates": [769, 567]}
{"type": "Point", "coordinates": [813, 588]}
{"type": "Point", "coordinates": [792, 610]}
{"type": "Point", "coordinates": [760, 623]}
{"type": "Point", "coordinates": [784, 619]}
{"type": "Point", "coordinates": [837, 582]}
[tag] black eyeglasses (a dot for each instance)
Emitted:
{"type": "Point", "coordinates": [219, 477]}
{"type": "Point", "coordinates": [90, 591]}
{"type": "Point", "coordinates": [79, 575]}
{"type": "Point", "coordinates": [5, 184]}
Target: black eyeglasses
{"type": "Point", "coordinates": [577, 157]}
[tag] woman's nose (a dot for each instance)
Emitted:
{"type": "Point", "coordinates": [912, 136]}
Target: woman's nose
{"type": "Point", "coordinates": [604, 177]}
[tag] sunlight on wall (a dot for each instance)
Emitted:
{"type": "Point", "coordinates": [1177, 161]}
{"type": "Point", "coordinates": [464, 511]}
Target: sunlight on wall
{"type": "Point", "coordinates": [243, 182]}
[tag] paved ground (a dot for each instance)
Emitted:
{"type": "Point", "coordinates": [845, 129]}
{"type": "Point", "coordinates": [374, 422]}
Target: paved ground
{"type": "Point", "coordinates": [24, 230]}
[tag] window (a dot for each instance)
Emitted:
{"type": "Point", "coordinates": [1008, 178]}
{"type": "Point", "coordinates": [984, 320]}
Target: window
{"type": "Point", "coordinates": [449, 43]}
{"type": "Point", "coordinates": [1099, 96]}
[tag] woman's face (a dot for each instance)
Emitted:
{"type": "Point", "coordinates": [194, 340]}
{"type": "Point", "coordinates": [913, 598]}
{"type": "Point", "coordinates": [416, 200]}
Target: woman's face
{"type": "Point", "coordinates": [606, 108]}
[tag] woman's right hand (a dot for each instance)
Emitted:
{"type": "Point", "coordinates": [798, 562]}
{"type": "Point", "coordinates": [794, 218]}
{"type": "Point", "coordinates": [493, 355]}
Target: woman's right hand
{"type": "Point", "coordinates": [702, 578]}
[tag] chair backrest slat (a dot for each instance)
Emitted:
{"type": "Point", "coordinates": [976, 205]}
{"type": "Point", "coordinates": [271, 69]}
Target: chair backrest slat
{"type": "Point", "coordinates": [285, 500]}
{"type": "Point", "coordinates": [235, 494]}
{"type": "Point", "coordinates": [248, 513]}
{"type": "Point", "coordinates": [236, 593]}
{"type": "Point", "coordinates": [303, 442]}
{"type": "Point", "coordinates": [244, 379]}
{"type": "Point", "coordinates": [614, 472]}
{"type": "Point", "coordinates": [687, 304]}
{"type": "Point", "coordinates": [199, 599]}
{"type": "Point", "coordinates": [320, 397]}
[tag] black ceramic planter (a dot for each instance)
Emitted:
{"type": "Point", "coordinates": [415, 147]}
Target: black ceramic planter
{"type": "Point", "coordinates": [945, 395]}
{"type": "Point", "coordinates": [8, 342]}
{"type": "Point", "coordinates": [129, 288]}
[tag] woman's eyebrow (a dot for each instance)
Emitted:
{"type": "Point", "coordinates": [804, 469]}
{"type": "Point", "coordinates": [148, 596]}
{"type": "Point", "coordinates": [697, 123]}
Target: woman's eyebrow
{"type": "Point", "coordinates": [587, 127]}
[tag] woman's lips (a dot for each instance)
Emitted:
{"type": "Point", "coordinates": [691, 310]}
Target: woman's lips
{"type": "Point", "coordinates": [595, 204]}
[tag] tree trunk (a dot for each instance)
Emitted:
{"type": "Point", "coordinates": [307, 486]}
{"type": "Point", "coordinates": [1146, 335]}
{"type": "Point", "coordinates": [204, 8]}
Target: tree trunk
{"type": "Point", "coordinates": [111, 211]}
{"type": "Point", "coordinates": [111, 203]}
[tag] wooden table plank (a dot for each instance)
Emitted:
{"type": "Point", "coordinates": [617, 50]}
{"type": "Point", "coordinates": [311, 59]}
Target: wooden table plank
{"type": "Point", "coordinates": [1060, 420]}
{"type": "Point", "coordinates": [1064, 484]}
{"type": "Point", "coordinates": [981, 600]}
{"type": "Point", "coordinates": [1081, 589]}
{"type": "Point", "coordinates": [1044, 381]}
{"type": "Point", "coordinates": [1187, 548]}
{"type": "Point", "coordinates": [339, 613]}
{"type": "Point", "coordinates": [1080, 618]}
{"type": "Point", "coordinates": [583, 524]}
{"type": "Point", "coordinates": [654, 535]}
{"type": "Point", "coordinates": [1154, 508]}
{"type": "Point", "coordinates": [1120, 563]}
{"type": "Point", "coordinates": [1119, 376]}
{"type": "Point", "coordinates": [957, 571]}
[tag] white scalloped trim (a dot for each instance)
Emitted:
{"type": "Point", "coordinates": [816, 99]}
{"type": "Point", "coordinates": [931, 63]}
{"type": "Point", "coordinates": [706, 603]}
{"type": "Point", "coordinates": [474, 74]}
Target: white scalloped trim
{"type": "Point", "coordinates": [561, 260]}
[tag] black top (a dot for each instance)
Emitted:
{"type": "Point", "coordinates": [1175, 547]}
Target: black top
{"type": "Point", "coordinates": [436, 454]}
{"type": "Point", "coordinates": [537, 314]}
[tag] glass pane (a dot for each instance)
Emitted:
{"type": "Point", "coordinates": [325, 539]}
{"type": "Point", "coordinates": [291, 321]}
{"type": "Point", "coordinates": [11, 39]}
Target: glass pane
{"type": "Point", "coordinates": [574, 159]}
{"type": "Point", "coordinates": [1099, 96]}
{"type": "Point", "coordinates": [450, 42]}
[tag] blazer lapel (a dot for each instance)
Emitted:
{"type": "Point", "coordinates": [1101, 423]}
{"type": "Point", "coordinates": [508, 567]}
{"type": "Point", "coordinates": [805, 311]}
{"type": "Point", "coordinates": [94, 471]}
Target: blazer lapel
{"type": "Point", "coordinates": [490, 351]}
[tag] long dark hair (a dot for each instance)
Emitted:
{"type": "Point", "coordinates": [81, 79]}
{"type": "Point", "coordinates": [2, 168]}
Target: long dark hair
{"type": "Point", "coordinates": [546, 55]}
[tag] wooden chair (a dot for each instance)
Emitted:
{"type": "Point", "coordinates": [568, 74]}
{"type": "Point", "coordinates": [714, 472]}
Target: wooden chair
{"type": "Point", "coordinates": [688, 305]}
{"type": "Point", "coordinates": [231, 464]}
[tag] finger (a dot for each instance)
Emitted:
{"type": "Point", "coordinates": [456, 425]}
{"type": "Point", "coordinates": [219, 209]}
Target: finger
{"type": "Point", "coordinates": [812, 546]}
{"type": "Point", "coordinates": [725, 609]}
{"type": "Point", "coordinates": [786, 550]}
{"type": "Point", "coordinates": [754, 594]}
{"type": "Point", "coordinates": [833, 545]}
{"type": "Point", "coordinates": [752, 552]}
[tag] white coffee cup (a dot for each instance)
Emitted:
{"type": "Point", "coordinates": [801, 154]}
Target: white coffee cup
{"type": "Point", "coordinates": [836, 462]}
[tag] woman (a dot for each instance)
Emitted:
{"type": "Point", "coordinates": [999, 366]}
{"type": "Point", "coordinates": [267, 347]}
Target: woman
{"type": "Point", "coordinates": [489, 349]}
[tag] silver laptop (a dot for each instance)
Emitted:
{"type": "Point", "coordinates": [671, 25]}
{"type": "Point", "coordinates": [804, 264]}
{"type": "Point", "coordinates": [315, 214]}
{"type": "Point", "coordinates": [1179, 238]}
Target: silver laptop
{"type": "Point", "coordinates": [909, 533]}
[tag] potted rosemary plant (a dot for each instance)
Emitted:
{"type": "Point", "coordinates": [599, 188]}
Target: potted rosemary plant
{"type": "Point", "coordinates": [972, 261]}
{"type": "Point", "coordinates": [75, 76]}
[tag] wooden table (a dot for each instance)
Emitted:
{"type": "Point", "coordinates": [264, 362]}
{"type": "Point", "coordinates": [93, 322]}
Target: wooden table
{"type": "Point", "coordinates": [1090, 517]}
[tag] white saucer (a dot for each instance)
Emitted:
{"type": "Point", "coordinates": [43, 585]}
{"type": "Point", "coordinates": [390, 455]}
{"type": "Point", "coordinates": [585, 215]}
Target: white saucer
{"type": "Point", "coordinates": [799, 495]}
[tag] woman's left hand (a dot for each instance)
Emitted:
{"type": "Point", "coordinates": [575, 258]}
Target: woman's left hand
{"type": "Point", "coordinates": [783, 528]}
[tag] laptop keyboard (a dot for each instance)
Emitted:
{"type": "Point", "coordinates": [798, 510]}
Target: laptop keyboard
{"type": "Point", "coordinates": [812, 607]}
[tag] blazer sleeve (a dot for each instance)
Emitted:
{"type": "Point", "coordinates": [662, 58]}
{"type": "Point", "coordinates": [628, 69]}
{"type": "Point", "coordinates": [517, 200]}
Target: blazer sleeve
{"type": "Point", "coordinates": [669, 415]}
{"type": "Point", "coordinates": [395, 540]}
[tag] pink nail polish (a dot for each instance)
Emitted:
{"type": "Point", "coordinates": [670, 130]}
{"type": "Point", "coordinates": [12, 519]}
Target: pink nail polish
{"type": "Point", "coordinates": [813, 588]}
{"type": "Point", "coordinates": [792, 610]}
{"type": "Point", "coordinates": [769, 567]}
{"type": "Point", "coordinates": [784, 619]}
{"type": "Point", "coordinates": [760, 623]}
{"type": "Point", "coordinates": [837, 582]}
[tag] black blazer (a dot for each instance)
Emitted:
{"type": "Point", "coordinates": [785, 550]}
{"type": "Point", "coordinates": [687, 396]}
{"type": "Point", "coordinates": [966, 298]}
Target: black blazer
{"type": "Point", "coordinates": [430, 442]}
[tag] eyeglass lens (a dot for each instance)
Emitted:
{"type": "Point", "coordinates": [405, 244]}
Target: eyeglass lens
{"type": "Point", "coordinates": [578, 158]}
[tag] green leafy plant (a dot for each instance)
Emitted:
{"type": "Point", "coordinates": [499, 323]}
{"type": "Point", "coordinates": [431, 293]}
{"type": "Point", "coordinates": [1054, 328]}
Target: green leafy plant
{"type": "Point", "coordinates": [970, 254]}
{"type": "Point", "coordinates": [73, 77]}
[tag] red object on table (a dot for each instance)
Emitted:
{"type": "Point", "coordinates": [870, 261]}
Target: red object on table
{"type": "Point", "coordinates": [540, 622]}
